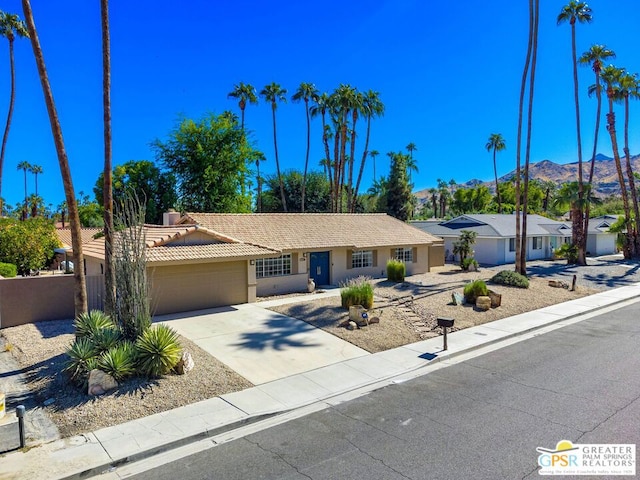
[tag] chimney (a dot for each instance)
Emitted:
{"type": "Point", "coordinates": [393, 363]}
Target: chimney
{"type": "Point", "coordinates": [171, 217]}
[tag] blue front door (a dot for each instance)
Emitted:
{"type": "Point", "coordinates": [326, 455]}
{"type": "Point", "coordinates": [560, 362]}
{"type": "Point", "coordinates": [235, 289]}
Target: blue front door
{"type": "Point", "coordinates": [319, 267]}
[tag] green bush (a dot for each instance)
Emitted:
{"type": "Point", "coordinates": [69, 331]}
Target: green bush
{"type": "Point", "coordinates": [119, 361]}
{"type": "Point", "coordinates": [8, 270]}
{"type": "Point", "coordinates": [158, 350]}
{"type": "Point", "coordinates": [87, 324]}
{"type": "Point", "coordinates": [395, 271]}
{"type": "Point", "coordinates": [106, 339]}
{"type": "Point", "coordinates": [513, 279]}
{"type": "Point", "coordinates": [358, 291]}
{"type": "Point", "coordinates": [568, 251]}
{"type": "Point", "coordinates": [475, 289]}
{"type": "Point", "coordinates": [81, 357]}
{"type": "Point", "coordinates": [467, 262]}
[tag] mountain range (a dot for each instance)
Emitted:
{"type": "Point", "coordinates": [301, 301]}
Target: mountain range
{"type": "Point", "coordinates": [605, 175]}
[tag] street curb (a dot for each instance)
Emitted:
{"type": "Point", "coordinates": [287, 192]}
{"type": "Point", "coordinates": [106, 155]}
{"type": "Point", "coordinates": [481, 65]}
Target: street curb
{"type": "Point", "coordinates": [384, 381]}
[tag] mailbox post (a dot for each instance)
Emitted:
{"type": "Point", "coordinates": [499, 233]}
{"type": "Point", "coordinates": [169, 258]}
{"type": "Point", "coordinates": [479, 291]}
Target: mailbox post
{"type": "Point", "coordinates": [20, 412]}
{"type": "Point", "coordinates": [445, 323]}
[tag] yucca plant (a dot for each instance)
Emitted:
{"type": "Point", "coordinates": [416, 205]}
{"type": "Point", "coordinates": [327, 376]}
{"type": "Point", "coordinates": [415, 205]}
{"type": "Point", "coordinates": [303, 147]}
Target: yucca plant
{"type": "Point", "coordinates": [87, 324]}
{"type": "Point", "coordinates": [106, 339]}
{"type": "Point", "coordinates": [357, 291]}
{"type": "Point", "coordinates": [158, 350]}
{"type": "Point", "coordinates": [82, 355]}
{"type": "Point", "coordinates": [119, 361]}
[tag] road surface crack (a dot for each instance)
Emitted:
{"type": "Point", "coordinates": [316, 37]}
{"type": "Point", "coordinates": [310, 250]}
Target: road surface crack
{"type": "Point", "coordinates": [376, 459]}
{"type": "Point", "coordinates": [280, 456]}
{"type": "Point", "coordinates": [618, 410]}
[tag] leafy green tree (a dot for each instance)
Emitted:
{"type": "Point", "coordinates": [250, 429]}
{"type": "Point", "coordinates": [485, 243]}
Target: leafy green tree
{"type": "Point", "coordinates": [471, 200]}
{"type": "Point", "coordinates": [274, 93]}
{"type": "Point", "coordinates": [209, 158]}
{"type": "Point", "coordinates": [399, 196]}
{"type": "Point", "coordinates": [10, 27]}
{"type": "Point", "coordinates": [579, 12]}
{"type": "Point", "coordinates": [151, 185]}
{"type": "Point", "coordinates": [90, 212]}
{"type": "Point", "coordinates": [27, 244]}
{"type": "Point", "coordinates": [497, 144]}
{"type": "Point", "coordinates": [318, 199]}
{"type": "Point", "coordinates": [463, 246]}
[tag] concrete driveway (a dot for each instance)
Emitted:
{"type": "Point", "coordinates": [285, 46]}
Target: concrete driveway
{"type": "Point", "coordinates": [259, 344]}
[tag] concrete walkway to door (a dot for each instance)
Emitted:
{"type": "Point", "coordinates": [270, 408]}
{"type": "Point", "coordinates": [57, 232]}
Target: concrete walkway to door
{"type": "Point", "coordinates": [259, 344]}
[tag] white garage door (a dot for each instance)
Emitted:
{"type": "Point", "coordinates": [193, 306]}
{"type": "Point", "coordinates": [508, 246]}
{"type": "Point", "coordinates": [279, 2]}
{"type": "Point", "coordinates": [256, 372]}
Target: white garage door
{"type": "Point", "coordinates": [183, 288]}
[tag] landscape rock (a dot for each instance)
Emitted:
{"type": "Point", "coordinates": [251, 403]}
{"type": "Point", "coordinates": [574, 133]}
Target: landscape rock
{"type": "Point", "coordinates": [483, 303]}
{"type": "Point", "coordinates": [558, 284]}
{"type": "Point", "coordinates": [352, 326]}
{"type": "Point", "coordinates": [100, 382]}
{"type": "Point", "coordinates": [374, 320]}
{"type": "Point", "coordinates": [355, 313]}
{"type": "Point", "coordinates": [185, 364]}
{"type": "Point", "coordinates": [458, 298]}
{"type": "Point", "coordinates": [496, 299]}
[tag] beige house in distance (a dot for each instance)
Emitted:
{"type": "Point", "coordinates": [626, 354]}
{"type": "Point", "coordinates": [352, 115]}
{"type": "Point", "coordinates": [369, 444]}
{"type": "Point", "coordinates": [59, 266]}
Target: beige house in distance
{"type": "Point", "coordinates": [205, 260]}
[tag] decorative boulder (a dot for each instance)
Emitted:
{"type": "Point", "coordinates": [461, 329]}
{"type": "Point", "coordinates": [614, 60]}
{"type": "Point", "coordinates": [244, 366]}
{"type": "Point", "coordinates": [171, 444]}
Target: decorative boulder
{"type": "Point", "coordinates": [496, 299]}
{"type": "Point", "coordinates": [355, 313]}
{"type": "Point", "coordinates": [483, 303]}
{"type": "Point", "coordinates": [100, 382]}
{"type": "Point", "coordinates": [352, 326]}
{"type": "Point", "coordinates": [185, 364]}
{"type": "Point", "coordinates": [558, 284]}
{"type": "Point", "coordinates": [458, 298]}
{"type": "Point", "coordinates": [374, 320]}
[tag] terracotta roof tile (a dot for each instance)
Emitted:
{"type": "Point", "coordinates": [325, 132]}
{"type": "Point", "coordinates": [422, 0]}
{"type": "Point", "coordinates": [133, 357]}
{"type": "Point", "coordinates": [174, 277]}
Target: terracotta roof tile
{"type": "Point", "coordinates": [204, 252]}
{"type": "Point", "coordinates": [64, 234]}
{"type": "Point", "coordinates": [293, 231]}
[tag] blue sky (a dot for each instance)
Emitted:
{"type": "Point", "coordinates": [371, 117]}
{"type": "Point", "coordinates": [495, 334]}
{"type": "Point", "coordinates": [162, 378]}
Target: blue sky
{"type": "Point", "coordinates": [448, 78]}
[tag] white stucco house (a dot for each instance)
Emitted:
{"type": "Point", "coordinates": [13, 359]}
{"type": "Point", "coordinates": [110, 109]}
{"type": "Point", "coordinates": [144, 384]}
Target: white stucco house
{"type": "Point", "coordinates": [496, 236]}
{"type": "Point", "coordinates": [599, 240]}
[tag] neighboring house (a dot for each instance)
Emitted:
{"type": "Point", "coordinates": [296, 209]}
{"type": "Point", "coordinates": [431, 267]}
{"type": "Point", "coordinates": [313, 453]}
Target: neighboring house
{"type": "Point", "coordinates": [496, 240]}
{"type": "Point", "coordinates": [63, 259]}
{"type": "Point", "coordinates": [206, 260]}
{"type": "Point", "coordinates": [599, 240]}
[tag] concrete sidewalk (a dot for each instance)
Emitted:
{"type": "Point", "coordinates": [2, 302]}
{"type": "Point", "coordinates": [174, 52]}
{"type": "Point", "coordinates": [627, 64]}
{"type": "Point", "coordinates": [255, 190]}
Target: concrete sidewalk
{"type": "Point", "coordinates": [102, 450]}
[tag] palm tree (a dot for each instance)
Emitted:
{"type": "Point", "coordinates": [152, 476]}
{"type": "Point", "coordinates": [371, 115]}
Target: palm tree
{"type": "Point", "coordinates": [321, 107]}
{"type": "Point", "coordinates": [10, 26]}
{"type": "Point", "coordinates": [372, 107]}
{"type": "Point", "coordinates": [373, 154]}
{"type": "Point", "coordinates": [434, 201]}
{"type": "Point", "coordinates": [306, 92]}
{"type": "Point", "coordinates": [574, 12]}
{"type": "Point", "coordinates": [595, 57]}
{"type": "Point", "coordinates": [611, 75]}
{"type": "Point", "coordinates": [411, 165]}
{"type": "Point", "coordinates": [259, 158]}
{"type": "Point", "coordinates": [24, 166]}
{"type": "Point", "coordinates": [244, 93]}
{"type": "Point", "coordinates": [107, 195]}
{"type": "Point", "coordinates": [274, 93]}
{"type": "Point", "coordinates": [497, 144]}
{"type": "Point", "coordinates": [36, 170]}
{"type": "Point", "coordinates": [628, 88]}
{"type": "Point", "coordinates": [80, 291]}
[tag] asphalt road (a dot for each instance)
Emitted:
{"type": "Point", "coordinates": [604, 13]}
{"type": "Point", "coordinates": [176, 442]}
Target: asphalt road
{"type": "Point", "coordinates": [480, 419]}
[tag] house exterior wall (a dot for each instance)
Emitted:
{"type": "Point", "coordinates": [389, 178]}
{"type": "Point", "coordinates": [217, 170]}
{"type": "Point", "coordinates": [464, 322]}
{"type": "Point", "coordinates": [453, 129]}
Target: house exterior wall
{"type": "Point", "coordinates": [93, 266]}
{"type": "Point", "coordinates": [436, 255]}
{"type": "Point", "coordinates": [601, 244]}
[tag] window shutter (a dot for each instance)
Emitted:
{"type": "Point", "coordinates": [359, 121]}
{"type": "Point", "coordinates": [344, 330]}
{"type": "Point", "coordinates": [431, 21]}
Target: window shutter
{"type": "Point", "coordinates": [349, 259]}
{"type": "Point", "coordinates": [392, 254]}
{"type": "Point", "coordinates": [294, 264]}
{"type": "Point", "coordinates": [415, 254]}
{"type": "Point", "coordinates": [375, 258]}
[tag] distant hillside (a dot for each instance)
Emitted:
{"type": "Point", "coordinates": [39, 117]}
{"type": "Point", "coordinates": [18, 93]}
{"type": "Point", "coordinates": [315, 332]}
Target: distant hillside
{"type": "Point", "coordinates": [605, 175]}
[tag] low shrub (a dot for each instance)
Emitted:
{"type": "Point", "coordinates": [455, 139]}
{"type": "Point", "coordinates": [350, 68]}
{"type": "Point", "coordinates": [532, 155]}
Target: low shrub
{"type": "Point", "coordinates": [82, 356]}
{"type": "Point", "coordinates": [568, 251]}
{"type": "Point", "coordinates": [8, 270]}
{"type": "Point", "coordinates": [119, 361]}
{"type": "Point", "coordinates": [468, 262]}
{"type": "Point", "coordinates": [158, 351]}
{"type": "Point", "coordinates": [475, 289]}
{"type": "Point", "coordinates": [87, 324]}
{"type": "Point", "coordinates": [105, 339]}
{"type": "Point", "coordinates": [396, 271]}
{"type": "Point", "coordinates": [510, 278]}
{"type": "Point", "coordinates": [358, 291]}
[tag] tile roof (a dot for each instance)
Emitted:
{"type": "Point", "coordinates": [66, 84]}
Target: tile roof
{"type": "Point", "coordinates": [496, 225]}
{"type": "Point", "coordinates": [219, 251]}
{"type": "Point", "coordinates": [64, 234]}
{"type": "Point", "coordinates": [295, 231]}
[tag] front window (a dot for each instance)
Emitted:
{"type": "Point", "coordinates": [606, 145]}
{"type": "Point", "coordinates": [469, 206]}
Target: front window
{"type": "Point", "coordinates": [512, 244]}
{"type": "Point", "coordinates": [362, 259]}
{"type": "Point", "coordinates": [537, 243]}
{"type": "Point", "coordinates": [273, 267]}
{"type": "Point", "coordinates": [404, 255]}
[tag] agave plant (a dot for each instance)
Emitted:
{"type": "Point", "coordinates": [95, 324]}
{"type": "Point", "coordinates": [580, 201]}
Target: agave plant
{"type": "Point", "coordinates": [158, 350]}
{"type": "Point", "coordinates": [119, 361]}
{"type": "Point", "coordinates": [105, 339]}
{"type": "Point", "coordinates": [87, 324]}
{"type": "Point", "coordinates": [82, 356]}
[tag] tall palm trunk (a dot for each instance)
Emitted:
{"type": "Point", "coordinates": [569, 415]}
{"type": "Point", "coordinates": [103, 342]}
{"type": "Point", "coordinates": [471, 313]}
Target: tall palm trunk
{"type": "Point", "coordinates": [629, 247]}
{"type": "Point", "coordinates": [275, 145]}
{"type": "Point", "coordinates": [343, 158]}
{"type": "Point", "coordinates": [363, 161]}
{"type": "Point", "coordinates": [495, 174]}
{"type": "Point", "coordinates": [26, 200]}
{"type": "Point", "coordinates": [523, 88]}
{"type": "Point", "coordinates": [109, 266]}
{"type": "Point", "coordinates": [80, 290]}
{"type": "Point", "coordinates": [12, 99]}
{"type": "Point", "coordinates": [352, 157]}
{"type": "Point", "coordinates": [630, 177]}
{"type": "Point", "coordinates": [587, 208]}
{"type": "Point", "coordinates": [577, 225]}
{"type": "Point", "coordinates": [336, 170]}
{"type": "Point", "coordinates": [259, 181]}
{"type": "Point", "coordinates": [306, 158]}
